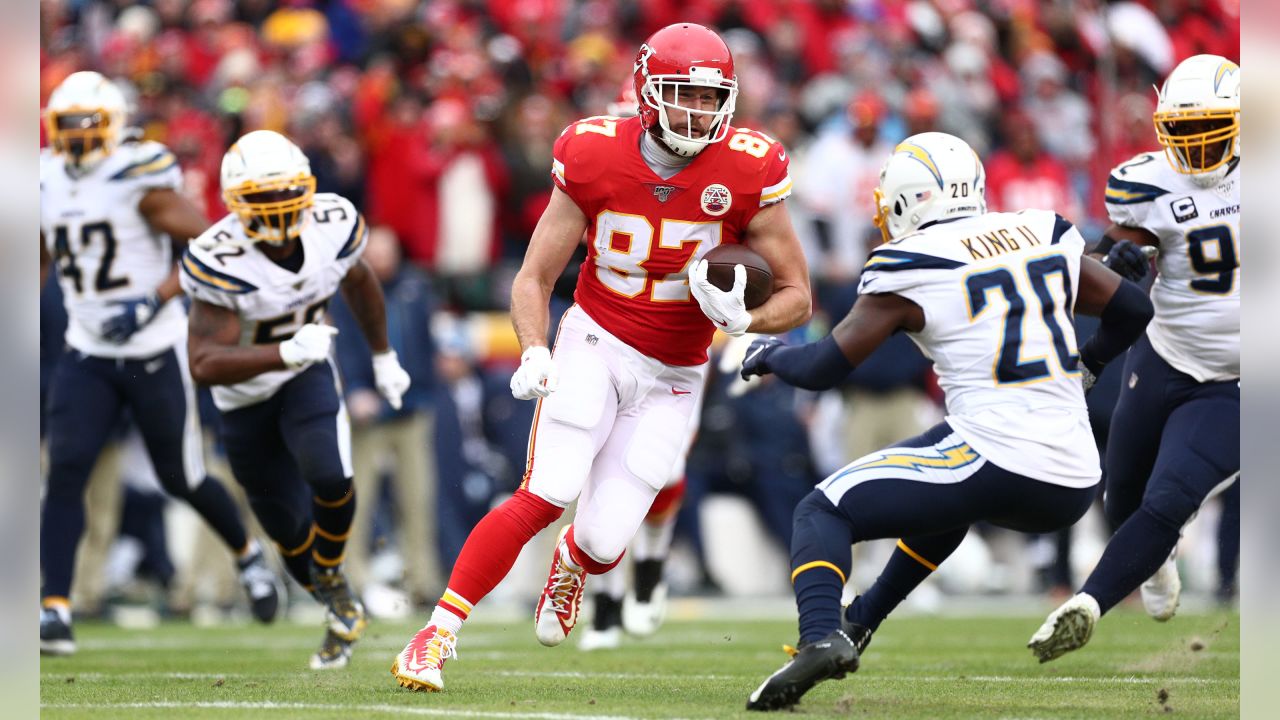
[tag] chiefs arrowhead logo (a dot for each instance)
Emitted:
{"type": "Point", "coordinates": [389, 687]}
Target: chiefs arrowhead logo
{"type": "Point", "coordinates": [716, 200]}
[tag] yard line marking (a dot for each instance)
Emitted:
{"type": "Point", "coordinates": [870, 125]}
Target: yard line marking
{"type": "Point", "coordinates": [391, 709]}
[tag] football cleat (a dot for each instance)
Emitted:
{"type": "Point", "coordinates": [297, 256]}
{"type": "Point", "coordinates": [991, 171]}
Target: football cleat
{"type": "Point", "coordinates": [1162, 591]}
{"type": "Point", "coordinates": [419, 666]}
{"type": "Point", "coordinates": [262, 586]}
{"type": "Point", "coordinates": [1067, 628]}
{"type": "Point", "coordinates": [557, 610]}
{"type": "Point", "coordinates": [55, 634]}
{"type": "Point", "coordinates": [830, 658]}
{"type": "Point", "coordinates": [644, 609]}
{"type": "Point", "coordinates": [344, 613]}
{"type": "Point", "coordinates": [334, 652]}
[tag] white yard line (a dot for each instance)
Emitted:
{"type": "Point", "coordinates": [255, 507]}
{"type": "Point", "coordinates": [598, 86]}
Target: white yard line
{"type": "Point", "coordinates": [389, 709]}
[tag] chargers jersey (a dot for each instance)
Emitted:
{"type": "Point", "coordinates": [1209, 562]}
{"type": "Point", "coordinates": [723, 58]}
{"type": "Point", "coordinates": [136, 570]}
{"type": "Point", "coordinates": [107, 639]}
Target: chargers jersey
{"type": "Point", "coordinates": [998, 292]}
{"type": "Point", "coordinates": [272, 301]}
{"type": "Point", "coordinates": [1196, 293]}
{"type": "Point", "coordinates": [104, 249]}
{"type": "Point", "coordinates": [643, 232]}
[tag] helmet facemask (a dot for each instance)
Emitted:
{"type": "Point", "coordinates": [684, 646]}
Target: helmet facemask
{"type": "Point", "coordinates": [84, 136]}
{"type": "Point", "coordinates": [272, 211]}
{"type": "Point", "coordinates": [689, 120]}
{"type": "Point", "coordinates": [1199, 143]}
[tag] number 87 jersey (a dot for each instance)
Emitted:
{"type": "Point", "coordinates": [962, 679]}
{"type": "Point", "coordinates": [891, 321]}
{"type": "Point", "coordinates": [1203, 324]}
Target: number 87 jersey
{"type": "Point", "coordinates": [1196, 294]}
{"type": "Point", "coordinates": [644, 232]}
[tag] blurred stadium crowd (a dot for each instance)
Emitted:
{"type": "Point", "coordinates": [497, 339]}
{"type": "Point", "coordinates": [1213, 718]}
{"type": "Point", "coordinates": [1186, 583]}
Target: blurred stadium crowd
{"type": "Point", "coordinates": [437, 117]}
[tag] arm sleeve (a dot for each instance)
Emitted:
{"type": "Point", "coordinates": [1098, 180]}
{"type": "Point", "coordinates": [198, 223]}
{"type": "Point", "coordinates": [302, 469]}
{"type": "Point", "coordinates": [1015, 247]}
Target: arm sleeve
{"type": "Point", "coordinates": [816, 366]}
{"type": "Point", "coordinates": [1124, 319]}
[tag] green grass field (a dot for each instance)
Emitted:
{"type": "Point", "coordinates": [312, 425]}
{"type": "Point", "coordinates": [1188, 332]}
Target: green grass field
{"type": "Point", "coordinates": [917, 667]}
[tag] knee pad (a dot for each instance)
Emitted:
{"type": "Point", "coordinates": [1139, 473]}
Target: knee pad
{"type": "Point", "coordinates": [591, 556]}
{"type": "Point", "coordinates": [1170, 502]}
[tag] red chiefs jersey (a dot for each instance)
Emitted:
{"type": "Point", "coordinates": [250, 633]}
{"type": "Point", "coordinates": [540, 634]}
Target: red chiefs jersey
{"type": "Point", "coordinates": [644, 233]}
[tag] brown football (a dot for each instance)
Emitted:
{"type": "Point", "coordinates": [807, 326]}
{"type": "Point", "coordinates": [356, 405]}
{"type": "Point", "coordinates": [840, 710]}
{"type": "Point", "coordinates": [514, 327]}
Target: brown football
{"type": "Point", "coordinates": [720, 263]}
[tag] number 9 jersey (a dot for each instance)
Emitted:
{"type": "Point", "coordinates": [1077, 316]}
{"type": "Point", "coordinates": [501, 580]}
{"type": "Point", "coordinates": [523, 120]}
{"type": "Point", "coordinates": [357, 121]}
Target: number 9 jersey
{"type": "Point", "coordinates": [644, 232]}
{"type": "Point", "coordinates": [105, 251]}
{"type": "Point", "coordinates": [223, 267]}
{"type": "Point", "coordinates": [1196, 294]}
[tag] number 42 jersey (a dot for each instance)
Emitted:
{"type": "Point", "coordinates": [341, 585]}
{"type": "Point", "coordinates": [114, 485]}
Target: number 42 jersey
{"type": "Point", "coordinates": [103, 248]}
{"type": "Point", "coordinates": [998, 291]}
{"type": "Point", "coordinates": [644, 232]}
{"type": "Point", "coordinates": [272, 301]}
{"type": "Point", "coordinates": [1196, 293]}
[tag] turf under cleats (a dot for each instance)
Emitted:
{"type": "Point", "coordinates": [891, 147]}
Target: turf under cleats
{"type": "Point", "coordinates": [1162, 591]}
{"type": "Point", "coordinates": [55, 634]}
{"type": "Point", "coordinates": [421, 664]}
{"type": "Point", "coordinates": [1067, 628]}
{"type": "Point", "coordinates": [343, 612]}
{"type": "Point", "coordinates": [334, 652]}
{"type": "Point", "coordinates": [830, 658]}
{"type": "Point", "coordinates": [262, 586]}
{"type": "Point", "coordinates": [557, 610]}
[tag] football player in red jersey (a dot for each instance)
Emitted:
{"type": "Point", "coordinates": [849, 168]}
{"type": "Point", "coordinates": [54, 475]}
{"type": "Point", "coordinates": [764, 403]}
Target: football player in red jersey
{"type": "Point", "coordinates": [653, 194]}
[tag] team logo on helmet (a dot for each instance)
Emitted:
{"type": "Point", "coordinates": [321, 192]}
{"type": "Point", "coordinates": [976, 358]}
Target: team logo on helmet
{"type": "Point", "coordinates": [716, 199]}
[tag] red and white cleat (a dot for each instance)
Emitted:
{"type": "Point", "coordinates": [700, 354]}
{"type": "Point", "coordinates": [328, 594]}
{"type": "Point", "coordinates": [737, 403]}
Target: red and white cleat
{"type": "Point", "coordinates": [557, 610]}
{"type": "Point", "coordinates": [419, 665]}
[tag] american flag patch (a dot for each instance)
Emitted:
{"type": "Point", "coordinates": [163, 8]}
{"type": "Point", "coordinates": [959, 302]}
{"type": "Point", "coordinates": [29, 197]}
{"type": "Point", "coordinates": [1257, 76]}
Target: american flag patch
{"type": "Point", "coordinates": [925, 195]}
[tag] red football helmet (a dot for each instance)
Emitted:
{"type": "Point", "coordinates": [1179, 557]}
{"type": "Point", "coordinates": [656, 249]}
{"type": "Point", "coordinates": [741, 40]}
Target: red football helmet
{"type": "Point", "coordinates": [684, 55]}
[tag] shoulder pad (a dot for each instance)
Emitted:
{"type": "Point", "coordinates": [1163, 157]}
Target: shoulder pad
{"type": "Point", "coordinates": [1139, 180]}
{"type": "Point", "coordinates": [199, 266]}
{"type": "Point", "coordinates": [894, 259]}
{"type": "Point", "coordinates": [585, 148]}
{"type": "Point", "coordinates": [142, 160]}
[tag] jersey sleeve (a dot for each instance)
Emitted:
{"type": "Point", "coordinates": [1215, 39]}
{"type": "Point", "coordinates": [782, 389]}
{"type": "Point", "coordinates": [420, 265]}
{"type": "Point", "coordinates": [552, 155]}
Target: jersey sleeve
{"type": "Point", "coordinates": [891, 270]}
{"type": "Point", "coordinates": [777, 176]}
{"type": "Point", "coordinates": [202, 281]}
{"type": "Point", "coordinates": [580, 157]}
{"type": "Point", "coordinates": [1130, 196]}
{"type": "Point", "coordinates": [151, 167]}
{"type": "Point", "coordinates": [356, 229]}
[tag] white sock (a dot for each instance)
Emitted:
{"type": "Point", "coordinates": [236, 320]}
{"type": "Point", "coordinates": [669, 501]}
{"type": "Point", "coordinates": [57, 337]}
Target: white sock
{"type": "Point", "coordinates": [442, 618]}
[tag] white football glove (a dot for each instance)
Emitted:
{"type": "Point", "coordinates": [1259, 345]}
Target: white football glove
{"type": "Point", "coordinates": [391, 379]}
{"type": "Point", "coordinates": [537, 376]}
{"type": "Point", "coordinates": [309, 345]}
{"type": "Point", "coordinates": [728, 310]}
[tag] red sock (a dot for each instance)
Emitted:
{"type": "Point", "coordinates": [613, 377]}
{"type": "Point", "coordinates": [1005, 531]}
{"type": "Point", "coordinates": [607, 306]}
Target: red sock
{"type": "Point", "coordinates": [588, 563]}
{"type": "Point", "coordinates": [667, 502]}
{"type": "Point", "coordinates": [493, 546]}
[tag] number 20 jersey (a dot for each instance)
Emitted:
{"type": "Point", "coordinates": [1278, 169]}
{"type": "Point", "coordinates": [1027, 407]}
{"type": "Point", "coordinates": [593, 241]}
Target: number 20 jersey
{"type": "Point", "coordinates": [1196, 293]}
{"type": "Point", "coordinates": [105, 251]}
{"type": "Point", "coordinates": [997, 291]}
{"type": "Point", "coordinates": [644, 232]}
{"type": "Point", "coordinates": [272, 301]}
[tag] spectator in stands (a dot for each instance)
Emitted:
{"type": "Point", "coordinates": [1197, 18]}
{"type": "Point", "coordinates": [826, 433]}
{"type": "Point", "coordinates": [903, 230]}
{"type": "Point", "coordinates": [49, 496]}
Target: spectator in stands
{"type": "Point", "coordinates": [380, 434]}
{"type": "Point", "coordinates": [1022, 175]}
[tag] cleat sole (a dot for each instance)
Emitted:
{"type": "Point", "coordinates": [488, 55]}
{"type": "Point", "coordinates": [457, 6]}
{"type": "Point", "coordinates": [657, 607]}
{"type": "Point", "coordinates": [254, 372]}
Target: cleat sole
{"type": "Point", "coordinates": [1071, 632]}
{"type": "Point", "coordinates": [409, 683]}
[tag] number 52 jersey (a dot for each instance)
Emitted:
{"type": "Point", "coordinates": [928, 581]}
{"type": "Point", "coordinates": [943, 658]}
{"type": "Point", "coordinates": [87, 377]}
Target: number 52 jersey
{"type": "Point", "coordinates": [105, 251]}
{"type": "Point", "coordinates": [1196, 293]}
{"type": "Point", "coordinates": [272, 301]}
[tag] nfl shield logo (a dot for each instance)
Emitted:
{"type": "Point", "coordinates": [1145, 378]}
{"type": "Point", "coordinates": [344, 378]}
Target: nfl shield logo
{"type": "Point", "coordinates": [662, 192]}
{"type": "Point", "coordinates": [716, 199]}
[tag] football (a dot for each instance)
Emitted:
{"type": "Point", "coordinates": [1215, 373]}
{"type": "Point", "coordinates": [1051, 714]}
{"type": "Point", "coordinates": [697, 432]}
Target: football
{"type": "Point", "coordinates": [720, 263]}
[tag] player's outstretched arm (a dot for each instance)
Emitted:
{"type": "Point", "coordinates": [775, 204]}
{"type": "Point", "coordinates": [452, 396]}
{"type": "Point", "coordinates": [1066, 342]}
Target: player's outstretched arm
{"type": "Point", "coordinates": [216, 355]}
{"type": "Point", "coordinates": [171, 213]}
{"type": "Point", "coordinates": [557, 234]}
{"type": "Point", "coordinates": [770, 234]}
{"type": "Point", "coordinates": [363, 293]}
{"type": "Point", "coordinates": [1122, 306]}
{"type": "Point", "coordinates": [824, 364]}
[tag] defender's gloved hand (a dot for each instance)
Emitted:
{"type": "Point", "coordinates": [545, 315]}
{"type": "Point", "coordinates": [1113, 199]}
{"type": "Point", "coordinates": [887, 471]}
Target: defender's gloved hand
{"type": "Point", "coordinates": [134, 315]}
{"type": "Point", "coordinates": [390, 378]}
{"type": "Point", "coordinates": [1127, 260]}
{"type": "Point", "coordinates": [309, 345]}
{"type": "Point", "coordinates": [537, 376]}
{"type": "Point", "coordinates": [728, 310]}
{"type": "Point", "coordinates": [756, 361]}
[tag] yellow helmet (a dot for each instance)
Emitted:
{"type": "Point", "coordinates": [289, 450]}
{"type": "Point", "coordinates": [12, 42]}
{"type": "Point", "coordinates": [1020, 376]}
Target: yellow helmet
{"type": "Point", "coordinates": [267, 183]}
{"type": "Point", "coordinates": [85, 118]}
{"type": "Point", "coordinates": [1197, 117]}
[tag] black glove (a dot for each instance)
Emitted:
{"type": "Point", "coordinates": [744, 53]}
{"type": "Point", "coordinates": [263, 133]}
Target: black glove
{"type": "Point", "coordinates": [1127, 260]}
{"type": "Point", "coordinates": [756, 360]}
{"type": "Point", "coordinates": [134, 315]}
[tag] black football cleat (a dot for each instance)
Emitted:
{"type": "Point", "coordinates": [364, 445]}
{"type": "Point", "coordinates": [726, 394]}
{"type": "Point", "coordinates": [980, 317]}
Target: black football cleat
{"type": "Point", "coordinates": [55, 635]}
{"type": "Point", "coordinates": [262, 587]}
{"type": "Point", "coordinates": [830, 658]}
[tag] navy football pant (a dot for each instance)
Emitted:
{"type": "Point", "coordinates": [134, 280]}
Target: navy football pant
{"type": "Point", "coordinates": [926, 491]}
{"type": "Point", "coordinates": [292, 454]}
{"type": "Point", "coordinates": [1173, 443]}
{"type": "Point", "coordinates": [86, 399]}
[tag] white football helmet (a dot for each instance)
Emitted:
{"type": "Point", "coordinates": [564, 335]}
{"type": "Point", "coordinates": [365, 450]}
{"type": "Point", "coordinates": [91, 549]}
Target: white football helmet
{"type": "Point", "coordinates": [930, 176]}
{"type": "Point", "coordinates": [1197, 117]}
{"type": "Point", "coordinates": [267, 182]}
{"type": "Point", "coordinates": [85, 119]}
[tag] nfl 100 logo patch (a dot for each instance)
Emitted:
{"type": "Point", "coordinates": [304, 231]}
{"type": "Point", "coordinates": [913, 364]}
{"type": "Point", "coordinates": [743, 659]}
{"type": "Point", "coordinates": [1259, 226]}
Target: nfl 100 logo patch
{"type": "Point", "coordinates": [716, 199]}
